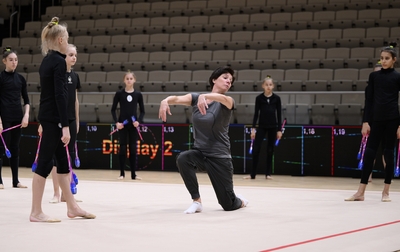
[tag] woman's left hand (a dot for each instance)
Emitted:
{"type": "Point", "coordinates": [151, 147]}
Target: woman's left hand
{"type": "Point", "coordinates": [135, 124]}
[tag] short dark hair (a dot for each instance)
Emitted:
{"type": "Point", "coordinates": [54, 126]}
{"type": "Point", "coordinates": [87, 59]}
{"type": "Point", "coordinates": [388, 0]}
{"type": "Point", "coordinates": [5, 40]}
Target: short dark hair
{"type": "Point", "coordinates": [220, 71]}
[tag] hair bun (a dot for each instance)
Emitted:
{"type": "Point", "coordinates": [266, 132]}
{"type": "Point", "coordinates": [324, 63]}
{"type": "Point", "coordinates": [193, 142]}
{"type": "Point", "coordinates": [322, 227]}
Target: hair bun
{"type": "Point", "coordinates": [7, 49]}
{"type": "Point", "coordinates": [393, 44]}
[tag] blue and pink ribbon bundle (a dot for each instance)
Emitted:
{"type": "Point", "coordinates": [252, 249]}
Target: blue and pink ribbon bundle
{"type": "Point", "coordinates": [138, 131]}
{"type": "Point", "coordinates": [7, 151]}
{"type": "Point", "coordinates": [77, 160]}
{"type": "Point", "coordinates": [34, 165]}
{"type": "Point", "coordinates": [116, 129]}
{"type": "Point", "coordinates": [283, 126]}
{"type": "Point", "coordinates": [74, 178]}
{"type": "Point", "coordinates": [361, 152]}
{"type": "Point", "coordinates": [397, 170]}
{"type": "Point", "coordinates": [251, 146]}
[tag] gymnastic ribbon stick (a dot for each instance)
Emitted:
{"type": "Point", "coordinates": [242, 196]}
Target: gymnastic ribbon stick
{"type": "Point", "coordinates": [8, 153]}
{"type": "Point", "coordinates": [138, 131]}
{"type": "Point", "coordinates": [77, 160]}
{"type": "Point", "coordinates": [364, 143]}
{"type": "Point", "coordinates": [13, 127]}
{"type": "Point", "coordinates": [283, 126]}
{"type": "Point", "coordinates": [361, 148]}
{"type": "Point", "coordinates": [34, 165]}
{"type": "Point", "coordinates": [116, 129]}
{"type": "Point", "coordinates": [251, 146]}
{"type": "Point", "coordinates": [74, 178]}
{"type": "Point", "coordinates": [397, 170]}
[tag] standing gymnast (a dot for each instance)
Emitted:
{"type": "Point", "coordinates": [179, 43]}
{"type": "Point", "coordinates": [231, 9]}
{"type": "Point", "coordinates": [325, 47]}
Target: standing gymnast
{"type": "Point", "coordinates": [12, 88]}
{"type": "Point", "coordinates": [211, 149]}
{"type": "Point", "coordinates": [53, 116]}
{"type": "Point", "coordinates": [382, 116]}
{"type": "Point", "coordinates": [128, 99]}
{"type": "Point", "coordinates": [365, 125]}
{"type": "Point", "coordinates": [73, 84]}
{"type": "Point", "coordinates": [268, 113]}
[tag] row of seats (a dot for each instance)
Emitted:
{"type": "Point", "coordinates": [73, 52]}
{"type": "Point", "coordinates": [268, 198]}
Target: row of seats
{"type": "Point", "coordinates": [88, 11]}
{"type": "Point", "coordinates": [332, 58]}
{"type": "Point", "coordinates": [347, 79]}
{"type": "Point", "coordinates": [322, 109]}
{"type": "Point", "coordinates": [216, 23]}
{"type": "Point", "coordinates": [193, 8]}
{"type": "Point", "coordinates": [224, 3]}
{"type": "Point", "coordinates": [385, 33]}
{"type": "Point", "coordinates": [327, 38]}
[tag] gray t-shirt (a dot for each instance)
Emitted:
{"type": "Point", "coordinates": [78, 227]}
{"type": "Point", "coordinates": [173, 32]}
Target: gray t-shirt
{"type": "Point", "coordinates": [210, 131]}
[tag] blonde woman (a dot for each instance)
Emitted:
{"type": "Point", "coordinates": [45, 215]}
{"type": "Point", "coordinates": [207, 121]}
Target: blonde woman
{"type": "Point", "coordinates": [53, 116]}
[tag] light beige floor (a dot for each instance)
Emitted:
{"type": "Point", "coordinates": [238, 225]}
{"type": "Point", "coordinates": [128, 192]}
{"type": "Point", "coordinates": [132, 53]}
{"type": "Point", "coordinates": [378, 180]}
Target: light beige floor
{"type": "Point", "coordinates": [338, 183]}
{"type": "Point", "coordinates": [284, 214]}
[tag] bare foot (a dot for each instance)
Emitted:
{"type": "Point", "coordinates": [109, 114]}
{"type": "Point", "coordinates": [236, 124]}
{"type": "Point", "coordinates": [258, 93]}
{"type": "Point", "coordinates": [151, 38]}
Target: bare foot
{"type": "Point", "coordinates": [355, 197]}
{"type": "Point", "coordinates": [55, 199]}
{"type": "Point", "coordinates": [80, 213]}
{"type": "Point", "coordinates": [19, 185]}
{"type": "Point", "coordinates": [248, 177]}
{"type": "Point", "coordinates": [76, 200]}
{"type": "Point", "coordinates": [42, 218]}
{"type": "Point", "coordinates": [386, 198]}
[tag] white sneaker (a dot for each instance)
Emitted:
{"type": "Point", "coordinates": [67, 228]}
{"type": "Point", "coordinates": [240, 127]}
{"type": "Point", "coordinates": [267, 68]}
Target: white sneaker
{"type": "Point", "coordinates": [244, 201]}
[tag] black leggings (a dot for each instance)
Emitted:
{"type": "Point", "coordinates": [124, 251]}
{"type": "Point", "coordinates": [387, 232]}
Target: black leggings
{"type": "Point", "coordinates": [12, 139]}
{"type": "Point", "coordinates": [71, 145]}
{"type": "Point", "coordinates": [51, 145]}
{"type": "Point", "coordinates": [129, 132]}
{"type": "Point", "coordinates": [271, 138]}
{"type": "Point", "coordinates": [385, 132]}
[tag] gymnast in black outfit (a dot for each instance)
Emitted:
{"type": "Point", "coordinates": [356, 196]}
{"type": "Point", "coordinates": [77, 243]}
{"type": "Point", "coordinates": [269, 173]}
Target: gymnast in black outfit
{"type": "Point", "coordinates": [53, 116]}
{"type": "Point", "coordinates": [382, 116]}
{"type": "Point", "coordinates": [267, 112]}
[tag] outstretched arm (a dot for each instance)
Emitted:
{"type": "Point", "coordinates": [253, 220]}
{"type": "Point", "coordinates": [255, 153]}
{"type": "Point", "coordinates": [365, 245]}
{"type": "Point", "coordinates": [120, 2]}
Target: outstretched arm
{"type": "Point", "coordinates": [173, 100]}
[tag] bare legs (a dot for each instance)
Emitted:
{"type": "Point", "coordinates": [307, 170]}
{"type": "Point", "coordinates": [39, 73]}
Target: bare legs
{"type": "Point", "coordinates": [385, 193]}
{"type": "Point", "coordinates": [73, 210]}
{"type": "Point", "coordinates": [56, 186]}
{"type": "Point", "coordinates": [359, 195]}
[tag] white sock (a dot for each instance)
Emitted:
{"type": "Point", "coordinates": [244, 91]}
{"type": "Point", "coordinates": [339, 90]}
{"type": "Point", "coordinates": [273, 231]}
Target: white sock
{"type": "Point", "coordinates": [195, 207]}
{"type": "Point", "coordinates": [244, 201]}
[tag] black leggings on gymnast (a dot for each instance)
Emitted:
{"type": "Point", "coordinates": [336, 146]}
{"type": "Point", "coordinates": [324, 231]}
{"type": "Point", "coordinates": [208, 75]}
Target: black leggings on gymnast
{"type": "Point", "coordinates": [12, 139]}
{"type": "Point", "coordinates": [271, 138]}
{"type": "Point", "coordinates": [50, 146]}
{"type": "Point", "coordinates": [384, 131]}
{"type": "Point", "coordinates": [127, 136]}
